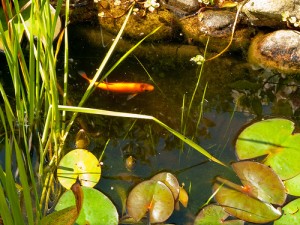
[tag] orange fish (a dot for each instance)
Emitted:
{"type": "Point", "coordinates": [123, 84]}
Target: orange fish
{"type": "Point", "coordinates": [121, 87]}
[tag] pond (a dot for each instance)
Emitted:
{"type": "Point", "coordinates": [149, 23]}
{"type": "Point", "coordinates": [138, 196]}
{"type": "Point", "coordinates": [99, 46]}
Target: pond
{"type": "Point", "coordinates": [230, 95]}
{"type": "Point", "coordinates": [236, 95]}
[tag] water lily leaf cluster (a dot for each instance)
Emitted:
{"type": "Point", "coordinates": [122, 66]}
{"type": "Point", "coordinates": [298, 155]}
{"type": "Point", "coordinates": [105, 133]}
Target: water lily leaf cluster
{"type": "Point", "coordinates": [263, 185]}
{"type": "Point", "coordinates": [155, 197]}
{"type": "Point", "coordinates": [274, 139]}
{"type": "Point", "coordinates": [81, 167]}
{"type": "Point", "coordinates": [252, 201]}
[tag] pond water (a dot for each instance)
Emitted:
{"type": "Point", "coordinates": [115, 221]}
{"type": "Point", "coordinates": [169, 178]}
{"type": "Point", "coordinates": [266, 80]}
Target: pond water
{"type": "Point", "coordinates": [262, 94]}
{"type": "Point", "coordinates": [155, 149]}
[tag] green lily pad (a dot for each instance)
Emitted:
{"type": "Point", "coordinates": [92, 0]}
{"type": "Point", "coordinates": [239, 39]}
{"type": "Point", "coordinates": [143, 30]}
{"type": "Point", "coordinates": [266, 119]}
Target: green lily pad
{"type": "Point", "coordinates": [79, 163]}
{"type": "Point", "coordinates": [260, 181]}
{"type": "Point", "coordinates": [62, 217]}
{"type": "Point", "coordinates": [215, 214]}
{"type": "Point", "coordinates": [243, 206]}
{"type": "Point", "coordinates": [153, 198]}
{"type": "Point", "coordinates": [96, 208]}
{"type": "Point", "coordinates": [275, 139]}
{"type": "Point", "coordinates": [292, 185]}
{"type": "Point", "coordinates": [170, 180]}
{"type": "Point", "coordinates": [291, 214]}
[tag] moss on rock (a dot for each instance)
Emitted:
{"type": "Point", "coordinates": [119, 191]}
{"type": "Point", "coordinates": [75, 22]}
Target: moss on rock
{"type": "Point", "coordinates": [141, 23]}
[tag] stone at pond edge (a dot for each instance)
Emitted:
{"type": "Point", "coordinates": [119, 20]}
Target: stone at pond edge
{"type": "Point", "coordinates": [268, 12]}
{"type": "Point", "coordinates": [141, 23]}
{"type": "Point", "coordinates": [279, 50]}
{"type": "Point", "coordinates": [217, 25]}
{"type": "Point", "coordinates": [185, 5]}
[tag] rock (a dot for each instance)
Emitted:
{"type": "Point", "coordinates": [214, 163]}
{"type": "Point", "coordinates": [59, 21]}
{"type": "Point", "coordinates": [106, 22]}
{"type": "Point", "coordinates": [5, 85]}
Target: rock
{"type": "Point", "coordinates": [185, 5]}
{"type": "Point", "coordinates": [141, 23]}
{"type": "Point", "coordinates": [217, 25]}
{"type": "Point", "coordinates": [80, 11]}
{"type": "Point", "coordinates": [279, 50]}
{"type": "Point", "coordinates": [269, 12]}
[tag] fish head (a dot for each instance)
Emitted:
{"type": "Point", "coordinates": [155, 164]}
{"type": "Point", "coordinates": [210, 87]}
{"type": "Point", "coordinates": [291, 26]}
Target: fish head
{"type": "Point", "coordinates": [147, 87]}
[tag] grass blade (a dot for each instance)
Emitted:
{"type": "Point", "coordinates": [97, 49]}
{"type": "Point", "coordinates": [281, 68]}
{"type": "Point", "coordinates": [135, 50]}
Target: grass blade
{"type": "Point", "coordinates": [141, 116]}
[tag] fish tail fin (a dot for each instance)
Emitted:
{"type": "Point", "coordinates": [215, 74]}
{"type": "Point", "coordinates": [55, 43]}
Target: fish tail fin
{"type": "Point", "coordinates": [83, 74]}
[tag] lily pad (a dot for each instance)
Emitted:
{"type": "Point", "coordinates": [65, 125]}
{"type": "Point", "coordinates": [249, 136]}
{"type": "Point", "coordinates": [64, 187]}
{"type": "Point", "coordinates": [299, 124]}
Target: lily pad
{"type": "Point", "coordinates": [170, 180]}
{"type": "Point", "coordinates": [275, 139]}
{"type": "Point", "coordinates": [260, 181]}
{"type": "Point", "coordinates": [291, 214]}
{"type": "Point", "coordinates": [79, 163]}
{"type": "Point", "coordinates": [215, 214]}
{"type": "Point", "coordinates": [96, 208]}
{"type": "Point", "coordinates": [62, 217]}
{"type": "Point", "coordinates": [293, 185]}
{"type": "Point", "coordinates": [69, 215]}
{"type": "Point", "coordinates": [183, 197]}
{"type": "Point", "coordinates": [241, 205]}
{"type": "Point", "coordinates": [153, 198]}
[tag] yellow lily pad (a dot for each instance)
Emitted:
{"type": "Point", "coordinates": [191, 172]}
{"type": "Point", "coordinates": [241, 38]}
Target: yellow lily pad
{"type": "Point", "coordinates": [79, 163]}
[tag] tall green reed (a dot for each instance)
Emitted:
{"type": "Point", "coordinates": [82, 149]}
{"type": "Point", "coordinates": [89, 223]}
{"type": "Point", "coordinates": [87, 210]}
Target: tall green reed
{"type": "Point", "coordinates": [31, 121]}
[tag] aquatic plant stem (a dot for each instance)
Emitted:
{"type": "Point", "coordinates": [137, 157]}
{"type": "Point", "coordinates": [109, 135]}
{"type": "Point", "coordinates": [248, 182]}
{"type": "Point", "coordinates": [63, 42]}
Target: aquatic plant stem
{"type": "Point", "coordinates": [195, 91]}
{"type": "Point", "coordinates": [201, 108]}
{"type": "Point", "coordinates": [66, 65]}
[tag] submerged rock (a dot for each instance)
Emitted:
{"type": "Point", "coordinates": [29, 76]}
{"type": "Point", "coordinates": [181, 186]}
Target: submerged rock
{"type": "Point", "coordinates": [279, 50]}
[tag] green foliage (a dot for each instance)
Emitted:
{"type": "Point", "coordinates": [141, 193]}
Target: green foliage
{"type": "Point", "coordinates": [262, 187]}
{"type": "Point", "coordinates": [273, 138]}
{"type": "Point", "coordinates": [215, 214]}
{"type": "Point", "coordinates": [291, 213]}
{"type": "Point", "coordinates": [253, 201]}
{"type": "Point", "coordinates": [21, 118]}
{"type": "Point", "coordinates": [155, 197]}
{"type": "Point", "coordinates": [141, 116]}
{"type": "Point", "coordinates": [96, 208]}
{"type": "Point", "coordinates": [81, 164]}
